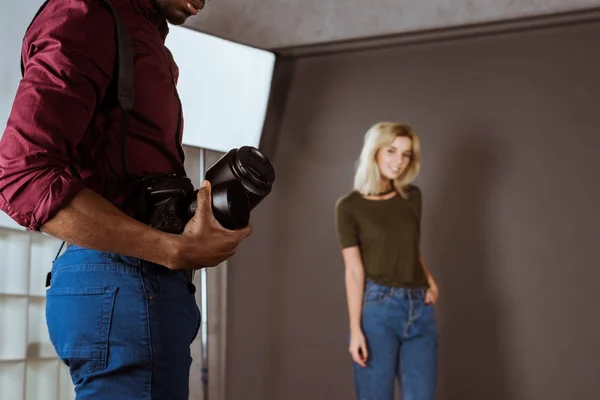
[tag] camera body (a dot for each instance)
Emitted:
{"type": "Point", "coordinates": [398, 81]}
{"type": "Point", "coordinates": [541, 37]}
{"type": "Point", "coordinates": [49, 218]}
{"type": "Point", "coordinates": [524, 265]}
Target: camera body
{"type": "Point", "coordinates": [240, 180]}
{"type": "Point", "coordinates": [166, 199]}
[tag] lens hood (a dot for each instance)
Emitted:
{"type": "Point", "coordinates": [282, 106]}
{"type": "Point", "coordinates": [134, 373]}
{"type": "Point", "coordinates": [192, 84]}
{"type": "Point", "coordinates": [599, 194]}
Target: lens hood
{"type": "Point", "coordinates": [230, 205]}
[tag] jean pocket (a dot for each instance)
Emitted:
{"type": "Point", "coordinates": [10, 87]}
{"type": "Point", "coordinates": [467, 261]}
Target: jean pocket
{"type": "Point", "coordinates": [79, 321]}
{"type": "Point", "coordinates": [374, 296]}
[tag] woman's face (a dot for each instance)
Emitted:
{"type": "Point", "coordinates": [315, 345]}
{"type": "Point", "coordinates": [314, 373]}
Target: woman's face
{"type": "Point", "coordinates": [392, 160]}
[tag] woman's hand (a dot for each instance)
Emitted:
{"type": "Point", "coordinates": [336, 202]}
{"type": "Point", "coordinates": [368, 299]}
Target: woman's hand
{"type": "Point", "coordinates": [432, 294]}
{"type": "Point", "coordinates": [433, 291]}
{"type": "Point", "coordinates": [358, 348]}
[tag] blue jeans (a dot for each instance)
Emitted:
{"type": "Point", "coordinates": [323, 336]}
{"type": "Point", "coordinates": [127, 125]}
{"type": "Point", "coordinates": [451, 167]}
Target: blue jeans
{"type": "Point", "coordinates": [402, 341]}
{"type": "Point", "coordinates": [123, 326]}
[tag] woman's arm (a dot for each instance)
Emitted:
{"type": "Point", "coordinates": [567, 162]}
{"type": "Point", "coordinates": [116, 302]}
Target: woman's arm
{"type": "Point", "coordinates": [347, 230]}
{"type": "Point", "coordinates": [355, 281]}
{"type": "Point", "coordinates": [433, 291]}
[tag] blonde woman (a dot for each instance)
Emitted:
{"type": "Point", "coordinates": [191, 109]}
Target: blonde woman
{"type": "Point", "coordinates": [390, 292]}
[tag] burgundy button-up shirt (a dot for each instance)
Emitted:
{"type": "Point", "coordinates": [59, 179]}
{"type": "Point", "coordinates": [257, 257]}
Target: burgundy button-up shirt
{"type": "Point", "coordinates": [66, 112]}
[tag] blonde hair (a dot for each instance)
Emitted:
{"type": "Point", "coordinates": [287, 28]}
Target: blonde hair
{"type": "Point", "coordinates": [367, 179]}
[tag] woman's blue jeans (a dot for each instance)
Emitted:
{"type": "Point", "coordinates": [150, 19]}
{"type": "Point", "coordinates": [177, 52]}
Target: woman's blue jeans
{"type": "Point", "coordinates": [123, 326]}
{"type": "Point", "coordinates": [402, 342]}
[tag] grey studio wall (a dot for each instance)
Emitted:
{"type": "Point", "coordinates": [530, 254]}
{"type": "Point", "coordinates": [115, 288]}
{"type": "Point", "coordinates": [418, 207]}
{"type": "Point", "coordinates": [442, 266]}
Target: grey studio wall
{"type": "Point", "coordinates": [510, 133]}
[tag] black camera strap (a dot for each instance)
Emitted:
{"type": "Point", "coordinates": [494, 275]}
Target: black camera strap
{"type": "Point", "coordinates": [125, 82]}
{"type": "Point", "coordinates": [125, 79]}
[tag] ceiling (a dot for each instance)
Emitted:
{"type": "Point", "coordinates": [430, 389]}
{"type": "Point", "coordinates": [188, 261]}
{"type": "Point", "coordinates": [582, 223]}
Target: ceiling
{"type": "Point", "coordinates": [276, 24]}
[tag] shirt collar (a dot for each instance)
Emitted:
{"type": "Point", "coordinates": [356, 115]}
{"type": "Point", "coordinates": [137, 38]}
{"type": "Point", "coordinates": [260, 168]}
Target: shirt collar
{"type": "Point", "coordinates": [148, 10]}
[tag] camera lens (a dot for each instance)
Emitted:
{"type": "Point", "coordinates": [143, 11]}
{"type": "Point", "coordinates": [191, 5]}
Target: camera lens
{"type": "Point", "coordinates": [240, 180]}
{"type": "Point", "coordinates": [256, 173]}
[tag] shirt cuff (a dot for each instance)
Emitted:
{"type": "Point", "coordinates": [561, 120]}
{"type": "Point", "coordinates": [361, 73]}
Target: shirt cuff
{"type": "Point", "coordinates": [60, 193]}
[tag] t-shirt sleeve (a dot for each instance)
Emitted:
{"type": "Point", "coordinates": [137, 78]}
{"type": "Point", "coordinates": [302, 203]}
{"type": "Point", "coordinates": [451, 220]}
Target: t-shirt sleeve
{"type": "Point", "coordinates": [346, 227]}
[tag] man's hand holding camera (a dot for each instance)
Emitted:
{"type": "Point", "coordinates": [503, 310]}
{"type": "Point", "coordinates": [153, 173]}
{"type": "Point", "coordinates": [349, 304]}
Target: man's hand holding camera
{"type": "Point", "coordinates": [204, 242]}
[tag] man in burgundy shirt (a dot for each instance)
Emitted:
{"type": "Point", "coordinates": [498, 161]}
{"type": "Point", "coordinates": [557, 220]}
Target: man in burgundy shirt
{"type": "Point", "coordinates": [121, 311]}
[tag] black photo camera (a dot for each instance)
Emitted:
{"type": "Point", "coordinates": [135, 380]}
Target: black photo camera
{"type": "Point", "coordinates": [240, 180]}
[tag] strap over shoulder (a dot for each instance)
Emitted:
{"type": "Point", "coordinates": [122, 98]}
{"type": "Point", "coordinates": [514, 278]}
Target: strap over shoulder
{"type": "Point", "coordinates": [125, 71]}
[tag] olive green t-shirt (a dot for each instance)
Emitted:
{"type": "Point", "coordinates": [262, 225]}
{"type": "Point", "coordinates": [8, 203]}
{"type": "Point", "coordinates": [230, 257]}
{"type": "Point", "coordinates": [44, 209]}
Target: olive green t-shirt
{"type": "Point", "coordinates": [388, 235]}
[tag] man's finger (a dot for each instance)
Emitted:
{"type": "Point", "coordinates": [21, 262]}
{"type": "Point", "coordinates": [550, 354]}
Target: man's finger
{"type": "Point", "coordinates": [245, 232]}
{"type": "Point", "coordinates": [204, 198]}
